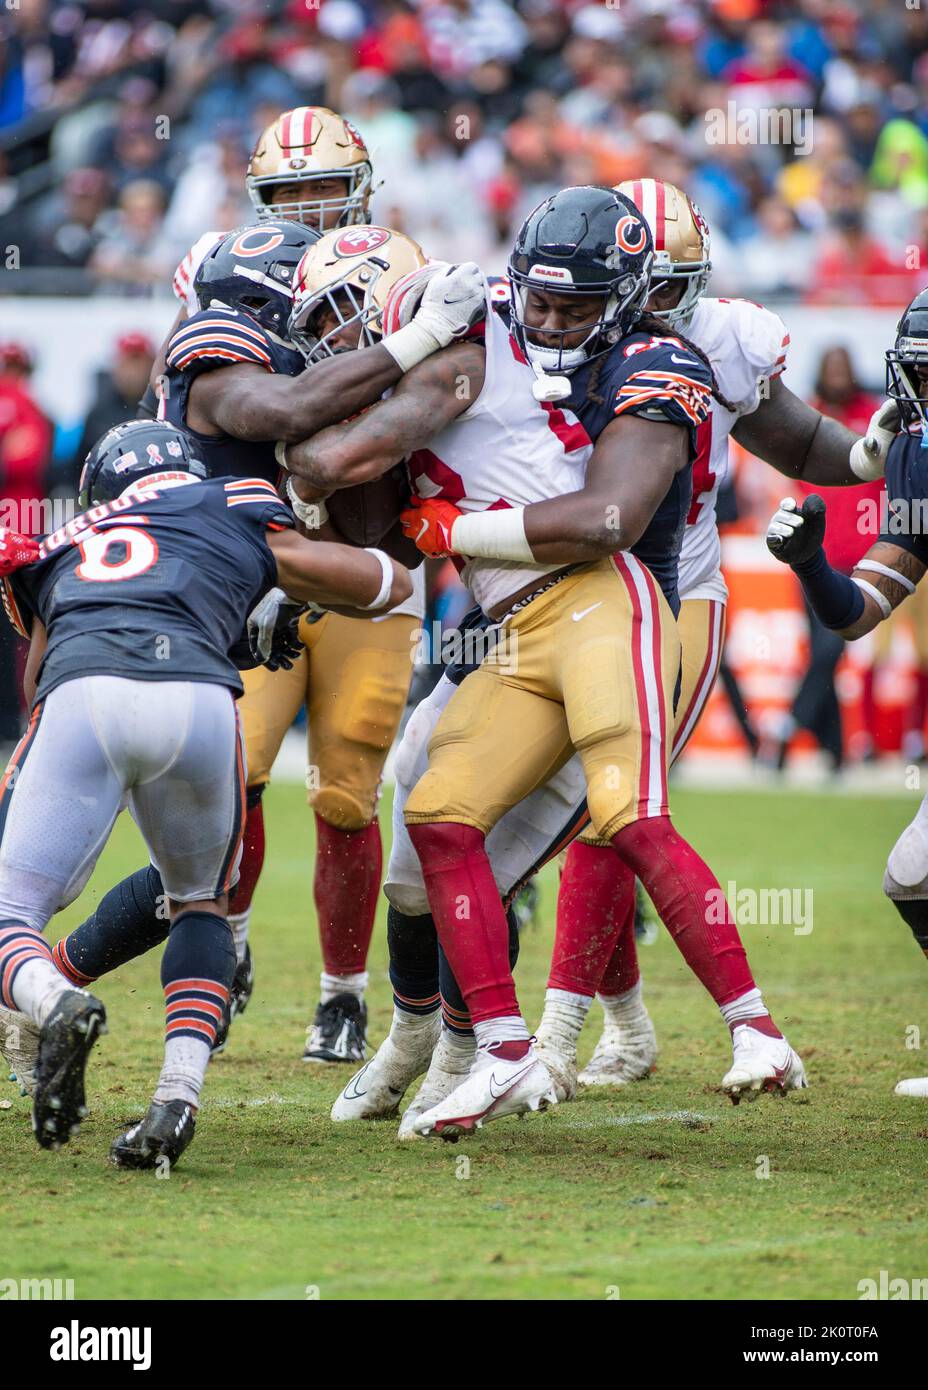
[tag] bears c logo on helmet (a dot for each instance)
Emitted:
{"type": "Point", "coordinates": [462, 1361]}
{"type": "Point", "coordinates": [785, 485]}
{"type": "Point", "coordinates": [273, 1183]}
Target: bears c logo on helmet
{"type": "Point", "coordinates": [630, 234]}
{"type": "Point", "coordinates": [358, 241]}
{"type": "Point", "coordinates": [257, 241]}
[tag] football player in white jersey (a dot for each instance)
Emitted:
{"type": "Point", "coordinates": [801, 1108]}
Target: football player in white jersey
{"type": "Point", "coordinates": [578, 312]}
{"type": "Point", "coordinates": [747, 346]}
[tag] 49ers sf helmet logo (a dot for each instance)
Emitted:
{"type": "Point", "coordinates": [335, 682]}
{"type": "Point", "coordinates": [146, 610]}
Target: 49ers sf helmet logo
{"type": "Point", "coordinates": [631, 234]}
{"type": "Point", "coordinates": [359, 241]}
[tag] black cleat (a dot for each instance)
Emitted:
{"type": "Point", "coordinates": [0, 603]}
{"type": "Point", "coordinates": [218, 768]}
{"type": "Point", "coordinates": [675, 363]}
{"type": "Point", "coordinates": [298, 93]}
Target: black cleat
{"type": "Point", "coordinates": [164, 1133]}
{"type": "Point", "coordinates": [240, 991]}
{"type": "Point", "coordinates": [70, 1031]}
{"type": "Point", "coordinates": [338, 1033]}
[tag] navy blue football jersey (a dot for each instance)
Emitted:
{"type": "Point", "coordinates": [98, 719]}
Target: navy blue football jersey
{"type": "Point", "coordinates": [906, 521]}
{"type": "Point", "coordinates": [214, 338]}
{"type": "Point", "coordinates": [154, 585]}
{"type": "Point", "coordinates": [659, 379]}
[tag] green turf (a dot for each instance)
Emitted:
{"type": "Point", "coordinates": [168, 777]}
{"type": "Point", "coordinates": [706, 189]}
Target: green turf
{"type": "Point", "coordinates": [620, 1191]}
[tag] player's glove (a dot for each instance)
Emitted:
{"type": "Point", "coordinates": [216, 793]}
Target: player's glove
{"type": "Point", "coordinates": [868, 455]}
{"type": "Point", "coordinates": [795, 535]}
{"type": "Point", "coordinates": [273, 630]}
{"type": "Point", "coordinates": [453, 299]}
{"type": "Point", "coordinates": [16, 550]}
{"type": "Point", "coordinates": [428, 523]}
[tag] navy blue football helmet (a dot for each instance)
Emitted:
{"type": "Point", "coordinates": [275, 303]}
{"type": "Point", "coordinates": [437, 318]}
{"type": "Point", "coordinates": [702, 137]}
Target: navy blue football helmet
{"type": "Point", "coordinates": [907, 363]}
{"type": "Point", "coordinates": [132, 451]}
{"type": "Point", "coordinates": [581, 241]}
{"type": "Point", "coordinates": [253, 269]}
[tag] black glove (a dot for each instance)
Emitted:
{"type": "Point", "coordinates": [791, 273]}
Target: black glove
{"type": "Point", "coordinates": [272, 630]}
{"type": "Point", "coordinates": [795, 535]}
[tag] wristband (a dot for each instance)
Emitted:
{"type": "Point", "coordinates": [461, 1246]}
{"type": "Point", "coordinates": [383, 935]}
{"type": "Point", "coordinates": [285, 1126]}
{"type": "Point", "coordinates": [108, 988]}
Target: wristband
{"type": "Point", "coordinates": [496, 535]}
{"type": "Point", "coordinates": [386, 568]}
{"type": "Point", "coordinates": [312, 514]}
{"type": "Point", "coordinates": [411, 345]}
{"type": "Point", "coordinates": [892, 574]}
{"type": "Point", "coordinates": [881, 601]}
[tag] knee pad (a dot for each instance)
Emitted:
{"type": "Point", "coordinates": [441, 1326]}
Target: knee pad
{"type": "Point", "coordinates": [410, 901]}
{"type": "Point", "coordinates": [338, 808]}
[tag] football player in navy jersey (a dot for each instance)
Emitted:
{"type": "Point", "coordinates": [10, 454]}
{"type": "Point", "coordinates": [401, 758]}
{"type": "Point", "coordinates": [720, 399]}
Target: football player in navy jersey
{"type": "Point", "coordinates": [581, 274]}
{"type": "Point", "coordinates": [236, 384]}
{"type": "Point", "coordinates": [132, 609]}
{"type": "Point", "coordinates": [886, 575]}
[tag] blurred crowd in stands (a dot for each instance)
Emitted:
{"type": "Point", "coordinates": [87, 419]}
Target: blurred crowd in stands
{"type": "Point", "coordinates": [125, 125]}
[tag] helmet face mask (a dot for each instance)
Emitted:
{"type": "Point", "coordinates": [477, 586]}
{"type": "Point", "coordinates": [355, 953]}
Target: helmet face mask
{"type": "Point", "coordinates": [346, 278]}
{"type": "Point", "coordinates": [582, 242]}
{"type": "Point", "coordinates": [908, 354]}
{"type": "Point", "coordinates": [308, 145]}
{"type": "Point", "coordinates": [126, 455]}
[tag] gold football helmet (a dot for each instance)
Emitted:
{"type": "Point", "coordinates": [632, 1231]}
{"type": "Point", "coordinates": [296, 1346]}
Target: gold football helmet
{"type": "Point", "coordinates": [307, 145]}
{"type": "Point", "coordinates": [681, 242]}
{"type": "Point", "coordinates": [345, 277]}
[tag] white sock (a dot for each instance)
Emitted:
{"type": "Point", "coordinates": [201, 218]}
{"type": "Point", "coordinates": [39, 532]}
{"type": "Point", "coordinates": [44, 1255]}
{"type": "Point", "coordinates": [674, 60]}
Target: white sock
{"type": "Point", "coordinates": [749, 1005]}
{"type": "Point", "coordinates": [624, 1010]}
{"type": "Point", "coordinates": [407, 1024]}
{"type": "Point", "coordinates": [564, 1016]}
{"type": "Point", "coordinates": [455, 1051]}
{"type": "Point", "coordinates": [38, 987]}
{"type": "Point", "coordinates": [509, 1029]}
{"type": "Point", "coordinates": [238, 925]}
{"type": "Point", "coordinates": [330, 985]}
{"type": "Point", "coordinates": [184, 1067]}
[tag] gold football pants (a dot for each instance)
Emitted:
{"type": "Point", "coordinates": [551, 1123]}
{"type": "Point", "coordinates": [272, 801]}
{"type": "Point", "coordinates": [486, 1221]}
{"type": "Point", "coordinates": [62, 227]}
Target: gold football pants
{"type": "Point", "coordinates": [589, 665]}
{"type": "Point", "coordinates": [353, 678]}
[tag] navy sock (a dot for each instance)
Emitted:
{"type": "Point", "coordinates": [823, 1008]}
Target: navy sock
{"type": "Point", "coordinates": [914, 911]}
{"type": "Point", "coordinates": [196, 973]}
{"type": "Point", "coordinates": [413, 947]}
{"type": "Point", "coordinates": [454, 1011]}
{"type": "Point", "coordinates": [129, 920]}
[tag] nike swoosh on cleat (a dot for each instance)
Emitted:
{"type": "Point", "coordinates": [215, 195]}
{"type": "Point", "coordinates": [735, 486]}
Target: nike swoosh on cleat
{"type": "Point", "coordinates": [510, 1082]}
{"type": "Point", "coordinates": [577, 616]}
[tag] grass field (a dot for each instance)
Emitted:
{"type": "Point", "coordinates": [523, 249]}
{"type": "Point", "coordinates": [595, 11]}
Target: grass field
{"type": "Point", "coordinates": [652, 1191]}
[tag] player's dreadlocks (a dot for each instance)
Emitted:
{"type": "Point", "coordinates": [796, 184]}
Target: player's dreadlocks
{"type": "Point", "coordinates": [650, 323]}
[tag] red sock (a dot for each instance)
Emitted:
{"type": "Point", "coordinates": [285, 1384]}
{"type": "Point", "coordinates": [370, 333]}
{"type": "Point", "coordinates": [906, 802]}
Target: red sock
{"type": "Point", "coordinates": [252, 862]}
{"type": "Point", "coordinates": [692, 906]}
{"type": "Point", "coordinates": [345, 888]}
{"type": "Point", "coordinates": [469, 916]}
{"type": "Point", "coordinates": [595, 906]}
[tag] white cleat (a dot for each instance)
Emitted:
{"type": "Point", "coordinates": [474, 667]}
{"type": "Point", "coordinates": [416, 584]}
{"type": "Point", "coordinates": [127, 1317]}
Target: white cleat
{"type": "Point", "coordinates": [916, 1086]}
{"type": "Point", "coordinates": [492, 1089]}
{"type": "Point", "coordinates": [376, 1090]}
{"type": "Point", "coordinates": [761, 1063]}
{"type": "Point", "coordinates": [560, 1061]}
{"type": "Point", "coordinates": [19, 1044]}
{"type": "Point", "coordinates": [623, 1054]}
{"type": "Point", "coordinates": [449, 1066]}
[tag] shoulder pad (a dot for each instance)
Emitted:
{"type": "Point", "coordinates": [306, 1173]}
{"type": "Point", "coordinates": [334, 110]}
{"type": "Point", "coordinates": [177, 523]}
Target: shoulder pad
{"type": "Point", "coordinates": [218, 338]}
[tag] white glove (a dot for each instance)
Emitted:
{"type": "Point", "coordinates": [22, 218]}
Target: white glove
{"type": "Point", "coordinates": [262, 621]}
{"type": "Point", "coordinates": [454, 298]}
{"type": "Point", "coordinates": [868, 455]}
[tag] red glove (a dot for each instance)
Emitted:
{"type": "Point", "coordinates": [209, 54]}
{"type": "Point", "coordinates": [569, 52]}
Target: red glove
{"type": "Point", "coordinates": [428, 522]}
{"type": "Point", "coordinates": [16, 550]}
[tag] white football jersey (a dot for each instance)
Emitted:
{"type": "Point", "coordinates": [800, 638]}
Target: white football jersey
{"type": "Point", "coordinates": [507, 449]}
{"type": "Point", "coordinates": [185, 273]}
{"type": "Point", "coordinates": [746, 345]}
